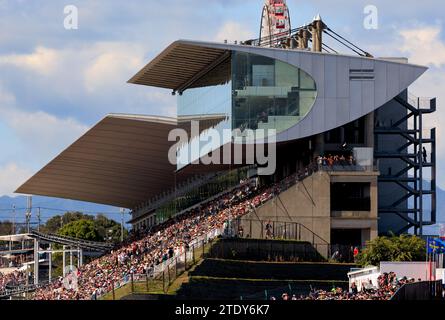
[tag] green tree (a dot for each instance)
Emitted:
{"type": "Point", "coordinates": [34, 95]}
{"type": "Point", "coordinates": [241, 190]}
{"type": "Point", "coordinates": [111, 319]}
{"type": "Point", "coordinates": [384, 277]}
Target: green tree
{"type": "Point", "coordinates": [54, 224]}
{"type": "Point", "coordinates": [108, 229]}
{"type": "Point", "coordinates": [392, 248]}
{"type": "Point", "coordinates": [81, 229]}
{"type": "Point", "coordinates": [5, 228]}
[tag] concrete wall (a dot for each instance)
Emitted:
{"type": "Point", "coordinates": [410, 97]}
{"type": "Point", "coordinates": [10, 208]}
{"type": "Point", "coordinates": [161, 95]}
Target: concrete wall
{"type": "Point", "coordinates": [308, 203]}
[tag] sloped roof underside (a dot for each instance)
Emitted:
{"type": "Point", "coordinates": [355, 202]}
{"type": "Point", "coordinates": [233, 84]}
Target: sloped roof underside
{"type": "Point", "coordinates": [122, 161]}
{"type": "Point", "coordinates": [185, 65]}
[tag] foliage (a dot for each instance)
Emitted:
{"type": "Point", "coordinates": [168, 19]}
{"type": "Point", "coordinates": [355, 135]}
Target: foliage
{"type": "Point", "coordinates": [393, 248]}
{"type": "Point", "coordinates": [5, 228]}
{"type": "Point", "coordinates": [55, 223]}
{"type": "Point", "coordinates": [81, 229]}
{"type": "Point", "coordinates": [106, 229]}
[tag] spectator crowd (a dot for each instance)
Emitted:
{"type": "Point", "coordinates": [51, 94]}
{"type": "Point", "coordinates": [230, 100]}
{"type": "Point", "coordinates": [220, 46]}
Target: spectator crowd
{"type": "Point", "coordinates": [11, 280]}
{"type": "Point", "coordinates": [144, 250]}
{"type": "Point", "coordinates": [155, 246]}
{"type": "Point", "coordinates": [386, 287]}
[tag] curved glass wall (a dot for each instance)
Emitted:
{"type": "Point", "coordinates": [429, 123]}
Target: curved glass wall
{"type": "Point", "coordinates": [256, 93]}
{"type": "Point", "coordinates": [268, 93]}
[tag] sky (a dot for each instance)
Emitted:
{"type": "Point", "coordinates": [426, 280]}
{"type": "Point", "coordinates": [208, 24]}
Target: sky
{"type": "Point", "coordinates": [56, 83]}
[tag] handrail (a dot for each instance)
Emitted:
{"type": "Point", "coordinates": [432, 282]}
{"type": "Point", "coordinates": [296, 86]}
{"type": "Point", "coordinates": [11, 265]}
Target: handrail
{"type": "Point", "coordinates": [64, 240]}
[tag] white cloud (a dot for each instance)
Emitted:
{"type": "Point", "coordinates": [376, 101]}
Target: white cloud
{"type": "Point", "coordinates": [424, 46]}
{"type": "Point", "coordinates": [11, 177]}
{"type": "Point", "coordinates": [41, 135]}
{"type": "Point", "coordinates": [113, 64]}
{"type": "Point", "coordinates": [42, 60]}
{"type": "Point", "coordinates": [234, 31]}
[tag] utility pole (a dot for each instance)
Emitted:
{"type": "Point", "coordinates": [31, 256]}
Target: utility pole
{"type": "Point", "coordinates": [13, 219]}
{"type": "Point", "coordinates": [38, 217]}
{"type": "Point", "coordinates": [122, 224]}
{"type": "Point", "coordinates": [28, 212]}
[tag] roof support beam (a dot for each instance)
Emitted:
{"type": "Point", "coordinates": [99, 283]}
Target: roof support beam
{"type": "Point", "coordinates": [203, 72]}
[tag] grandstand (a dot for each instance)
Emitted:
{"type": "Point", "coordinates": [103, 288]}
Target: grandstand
{"type": "Point", "coordinates": [344, 139]}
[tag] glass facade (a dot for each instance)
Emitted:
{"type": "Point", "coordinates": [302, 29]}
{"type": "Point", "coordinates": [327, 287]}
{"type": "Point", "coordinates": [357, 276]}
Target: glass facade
{"type": "Point", "coordinates": [269, 93]}
{"type": "Point", "coordinates": [256, 93]}
{"type": "Point", "coordinates": [205, 101]}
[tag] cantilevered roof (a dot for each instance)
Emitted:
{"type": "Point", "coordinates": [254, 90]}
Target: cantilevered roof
{"type": "Point", "coordinates": [186, 65]}
{"type": "Point", "coordinates": [122, 161]}
{"type": "Point", "coordinates": [348, 87]}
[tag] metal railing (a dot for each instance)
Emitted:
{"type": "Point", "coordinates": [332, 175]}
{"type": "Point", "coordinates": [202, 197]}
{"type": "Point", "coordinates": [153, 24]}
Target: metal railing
{"type": "Point", "coordinates": [170, 269]}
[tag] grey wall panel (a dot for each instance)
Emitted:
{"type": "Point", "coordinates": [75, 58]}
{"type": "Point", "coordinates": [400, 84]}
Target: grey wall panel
{"type": "Point", "coordinates": [318, 117]}
{"type": "Point", "coordinates": [343, 110]}
{"type": "Point", "coordinates": [331, 112]}
{"type": "Point", "coordinates": [318, 73]}
{"type": "Point", "coordinates": [306, 62]}
{"type": "Point", "coordinates": [405, 75]}
{"type": "Point", "coordinates": [342, 82]}
{"type": "Point", "coordinates": [356, 99]}
{"type": "Point", "coordinates": [393, 82]}
{"type": "Point", "coordinates": [355, 63]}
{"type": "Point", "coordinates": [381, 76]}
{"type": "Point", "coordinates": [367, 96]}
{"type": "Point", "coordinates": [352, 99]}
{"type": "Point", "coordinates": [368, 64]}
{"type": "Point", "coordinates": [294, 59]}
{"type": "Point", "coordinates": [330, 77]}
{"type": "Point", "coordinates": [306, 125]}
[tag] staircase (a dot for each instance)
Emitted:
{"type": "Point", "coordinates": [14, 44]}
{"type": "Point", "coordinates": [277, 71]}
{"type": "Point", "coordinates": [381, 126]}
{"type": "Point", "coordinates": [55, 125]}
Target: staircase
{"type": "Point", "coordinates": [245, 269]}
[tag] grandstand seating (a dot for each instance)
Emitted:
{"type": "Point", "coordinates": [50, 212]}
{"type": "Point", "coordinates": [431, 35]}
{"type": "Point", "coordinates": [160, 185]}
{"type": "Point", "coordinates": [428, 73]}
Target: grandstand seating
{"type": "Point", "coordinates": [147, 251]}
{"type": "Point", "coordinates": [235, 278]}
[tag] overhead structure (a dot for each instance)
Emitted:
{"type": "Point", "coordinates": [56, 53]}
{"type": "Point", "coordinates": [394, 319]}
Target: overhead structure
{"type": "Point", "coordinates": [275, 22]}
{"type": "Point", "coordinates": [122, 161]}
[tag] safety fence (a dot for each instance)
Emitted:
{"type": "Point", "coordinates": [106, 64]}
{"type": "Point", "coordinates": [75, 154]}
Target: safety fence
{"type": "Point", "coordinates": [169, 270]}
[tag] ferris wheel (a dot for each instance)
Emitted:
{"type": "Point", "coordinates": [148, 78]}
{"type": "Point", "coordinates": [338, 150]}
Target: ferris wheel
{"type": "Point", "coordinates": [275, 22]}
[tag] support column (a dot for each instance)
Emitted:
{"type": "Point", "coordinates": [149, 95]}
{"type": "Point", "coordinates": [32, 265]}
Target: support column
{"type": "Point", "coordinates": [36, 262]}
{"type": "Point", "coordinates": [50, 260]}
{"type": "Point", "coordinates": [317, 27]}
{"type": "Point", "coordinates": [64, 259]}
{"type": "Point", "coordinates": [81, 257]}
{"type": "Point", "coordinates": [71, 259]}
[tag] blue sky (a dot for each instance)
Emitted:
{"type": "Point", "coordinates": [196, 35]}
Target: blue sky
{"type": "Point", "coordinates": [57, 83]}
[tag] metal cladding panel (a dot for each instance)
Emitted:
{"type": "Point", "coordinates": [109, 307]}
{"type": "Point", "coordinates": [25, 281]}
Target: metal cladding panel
{"type": "Point", "coordinates": [356, 100]}
{"type": "Point", "coordinates": [306, 62]}
{"type": "Point", "coordinates": [342, 83]}
{"type": "Point", "coordinates": [368, 64]}
{"type": "Point", "coordinates": [355, 63]}
{"type": "Point", "coordinates": [367, 96]}
{"type": "Point", "coordinates": [331, 112]}
{"type": "Point", "coordinates": [318, 118]}
{"type": "Point", "coordinates": [393, 83]}
{"type": "Point", "coordinates": [343, 110]}
{"type": "Point", "coordinates": [330, 83]}
{"type": "Point", "coordinates": [352, 98]}
{"type": "Point", "coordinates": [380, 87]}
{"type": "Point", "coordinates": [318, 73]}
